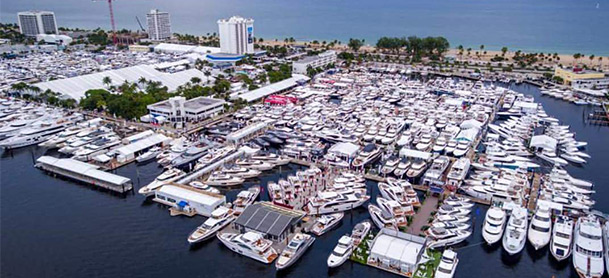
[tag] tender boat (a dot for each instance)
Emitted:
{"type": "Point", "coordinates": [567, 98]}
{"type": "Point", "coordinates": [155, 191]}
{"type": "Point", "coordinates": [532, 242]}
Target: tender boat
{"type": "Point", "coordinates": [562, 238]}
{"type": "Point", "coordinates": [494, 223]}
{"type": "Point", "coordinates": [220, 217]}
{"type": "Point", "coordinates": [294, 250]}
{"type": "Point", "coordinates": [326, 222]}
{"type": "Point", "coordinates": [341, 252]}
{"type": "Point", "coordinates": [540, 229]}
{"type": "Point", "coordinates": [514, 237]}
{"type": "Point", "coordinates": [250, 244]}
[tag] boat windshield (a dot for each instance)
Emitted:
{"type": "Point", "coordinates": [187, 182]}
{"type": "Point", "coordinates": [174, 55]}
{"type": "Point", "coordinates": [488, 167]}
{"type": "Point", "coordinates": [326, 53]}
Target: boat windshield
{"type": "Point", "coordinates": [444, 270]}
{"type": "Point", "coordinates": [540, 229]}
{"type": "Point", "coordinates": [594, 254]}
{"type": "Point", "coordinates": [589, 236]}
{"type": "Point", "coordinates": [541, 218]}
{"type": "Point", "coordinates": [563, 235]}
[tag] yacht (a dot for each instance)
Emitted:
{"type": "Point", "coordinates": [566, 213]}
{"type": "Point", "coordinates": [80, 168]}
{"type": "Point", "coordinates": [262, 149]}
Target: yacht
{"type": "Point", "coordinates": [294, 250]}
{"type": "Point", "coordinates": [220, 217]}
{"type": "Point", "coordinates": [416, 169]}
{"type": "Point", "coordinates": [494, 223]}
{"type": "Point", "coordinates": [514, 237]}
{"type": "Point", "coordinates": [451, 225]}
{"type": "Point", "coordinates": [457, 173]}
{"type": "Point", "coordinates": [360, 231]}
{"type": "Point", "coordinates": [165, 177]}
{"type": "Point", "coordinates": [220, 179]}
{"type": "Point", "coordinates": [341, 252]}
{"type": "Point", "coordinates": [272, 158]}
{"type": "Point", "coordinates": [241, 172]}
{"type": "Point", "coordinates": [452, 218]}
{"type": "Point", "coordinates": [402, 167]}
{"type": "Point", "coordinates": [255, 164]}
{"type": "Point", "coordinates": [424, 143]}
{"type": "Point", "coordinates": [448, 264]}
{"type": "Point", "coordinates": [337, 201]}
{"type": "Point", "coordinates": [245, 198]}
{"type": "Point", "coordinates": [390, 165]}
{"type": "Point", "coordinates": [368, 154]}
{"type": "Point", "coordinates": [250, 244]}
{"type": "Point", "coordinates": [34, 134]}
{"type": "Point", "coordinates": [204, 187]}
{"type": "Point", "coordinates": [189, 157]}
{"type": "Point", "coordinates": [588, 247]}
{"type": "Point", "coordinates": [440, 237]}
{"type": "Point", "coordinates": [540, 228]}
{"type": "Point", "coordinates": [148, 155]}
{"type": "Point", "coordinates": [326, 222]}
{"type": "Point", "coordinates": [562, 237]}
{"type": "Point", "coordinates": [394, 209]}
{"type": "Point", "coordinates": [462, 148]}
{"type": "Point", "coordinates": [550, 156]}
{"type": "Point", "coordinates": [382, 219]}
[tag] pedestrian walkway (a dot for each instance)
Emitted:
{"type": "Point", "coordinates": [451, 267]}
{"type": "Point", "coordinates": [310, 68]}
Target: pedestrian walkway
{"type": "Point", "coordinates": [420, 219]}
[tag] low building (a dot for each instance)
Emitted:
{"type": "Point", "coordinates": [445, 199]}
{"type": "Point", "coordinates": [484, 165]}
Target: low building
{"type": "Point", "coordinates": [179, 110]}
{"type": "Point", "coordinates": [140, 48]}
{"type": "Point", "coordinates": [396, 251]}
{"type": "Point", "coordinates": [53, 39]}
{"type": "Point", "coordinates": [274, 222]}
{"type": "Point", "coordinates": [131, 151]}
{"type": "Point", "coordinates": [246, 133]}
{"type": "Point", "coordinates": [318, 61]}
{"type": "Point", "coordinates": [275, 88]}
{"type": "Point", "coordinates": [569, 75]}
{"type": "Point", "coordinates": [190, 199]}
{"type": "Point", "coordinates": [590, 84]}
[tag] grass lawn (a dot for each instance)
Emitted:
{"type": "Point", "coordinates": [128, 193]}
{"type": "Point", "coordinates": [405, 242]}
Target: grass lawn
{"type": "Point", "coordinates": [427, 269]}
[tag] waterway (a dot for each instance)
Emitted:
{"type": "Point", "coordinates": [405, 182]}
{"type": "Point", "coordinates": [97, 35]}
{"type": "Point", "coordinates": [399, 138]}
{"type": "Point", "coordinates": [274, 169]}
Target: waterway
{"type": "Point", "coordinates": [562, 26]}
{"type": "Point", "coordinates": [56, 228]}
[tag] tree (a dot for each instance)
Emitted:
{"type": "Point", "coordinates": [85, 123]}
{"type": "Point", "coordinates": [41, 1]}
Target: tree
{"type": "Point", "coordinates": [591, 57]}
{"type": "Point", "coordinates": [355, 44]}
{"type": "Point", "coordinates": [195, 80]}
{"type": "Point", "coordinates": [504, 50]}
{"type": "Point", "coordinates": [107, 81]}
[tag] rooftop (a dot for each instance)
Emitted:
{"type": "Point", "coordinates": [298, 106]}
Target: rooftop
{"type": "Point", "coordinates": [267, 218]}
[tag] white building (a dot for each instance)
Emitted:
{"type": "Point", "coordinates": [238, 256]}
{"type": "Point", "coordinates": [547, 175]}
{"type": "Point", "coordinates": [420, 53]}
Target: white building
{"type": "Point", "coordinates": [189, 199]}
{"type": "Point", "coordinates": [318, 61]}
{"type": "Point", "coordinates": [236, 35]}
{"type": "Point", "coordinates": [54, 39]}
{"type": "Point", "coordinates": [159, 25]}
{"type": "Point", "coordinates": [32, 23]}
{"type": "Point", "coordinates": [178, 109]}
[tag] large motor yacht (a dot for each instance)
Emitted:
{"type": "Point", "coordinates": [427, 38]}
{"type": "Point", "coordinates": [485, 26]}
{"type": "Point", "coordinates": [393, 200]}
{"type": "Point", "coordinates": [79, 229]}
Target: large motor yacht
{"type": "Point", "coordinates": [250, 244]}
{"type": "Point", "coordinates": [494, 223]}
{"type": "Point", "coordinates": [294, 250]}
{"type": "Point", "coordinates": [220, 217]}
{"type": "Point", "coordinates": [588, 247]}
{"type": "Point", "coordinates": [337, 201]}
{"type": "Point", "coordinates": [562, 238]}
{"type": "Point", "coordinates": [514, 237]}
{"type": "Point", "coordinates": [540, 230]}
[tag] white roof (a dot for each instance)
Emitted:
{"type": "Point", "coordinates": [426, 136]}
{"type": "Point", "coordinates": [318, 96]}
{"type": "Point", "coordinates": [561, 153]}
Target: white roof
{"type": "Point", "coordinates": [467, 134]}
{"type": "Point", "coordinates": [543, 141]}
{"type": "Point", "coordinates": [142, 144]}
{"type": "Point", "coordinates": [273, 88]}
{"type": "Point", "coordinates": [396, 249]}
{"type": "Point", "coordinates": [524, 104]}
{"type": "Point", "coordinates": [75, 87]}
{"type": "Point", "coordinates": [190, 195]}
{"type": "Point", "coordinates": [414, 153]}
{"type": "Point", "coordinates": [471, 123]}
{"type": "Point", "coordinates": [83, 168]}
{"type": "Point", "coordinates": [346, 149]}
{"type": "Point", "coordinates": [241, 133]}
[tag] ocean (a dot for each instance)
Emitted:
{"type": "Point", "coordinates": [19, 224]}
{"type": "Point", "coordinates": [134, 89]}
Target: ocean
{"type": "Point", "coordinates": [549, 26]}
{"type": "Point", "coordinates": [52, 227]}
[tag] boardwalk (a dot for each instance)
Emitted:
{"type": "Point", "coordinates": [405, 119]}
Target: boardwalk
{"type": "Point", "coordinates": [534, 194]}
{"type": "Point", "coordinates": [420, 219]}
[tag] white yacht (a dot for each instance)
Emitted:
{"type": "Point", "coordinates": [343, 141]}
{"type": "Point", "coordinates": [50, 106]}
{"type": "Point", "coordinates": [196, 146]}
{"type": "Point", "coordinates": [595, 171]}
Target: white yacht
{"type": "Point", "coordinates": [326, 222]}
{"type": "Point", "coordinates": [448, 264]}
{"type": "Point", "coordinates": [148, 155]}
{"type": "Point", "coordinates": [167, 176]}
{"type": "Point", "coordinates": [337, 201]}
{"type": "Point", "coordinates": [220, 179]}
{"type": "Point", "coordinates": [457, 172]}
{"type": "Point", "coordinates": [341, 253]}
{"type": "Point", "coordinates": [394, 209]}
{"type": "Point", "coordinates": [390, 165]}
{"type": "Point", "coordinates": [34, 134]}
{"type": "Point", "coordinates": [514, 237]}
{"type": "Point", "coordinates": [494, 223]}
{"type": "Point", "coordinates": [360, 231]}
{"type": "Point", "coordinates": [562, 238]}
{"type": "Point", "coordinates": [294, 250]}
{"type": "Point", "coordinates": [402, 167]}
{"type": "Point", "coordinates": [540, 228]}
{"type": "Point", "coordinates": [550, 156]}
{"type": "Point", "coordinates": [255, 164]}
{"type": "Point", "coordinates": [367, 155]}
{"type": "Point", "coordinates": [272, 158]}
{"type": "Point", "coordinates": [220, 217]}
{"type": "Point", "coordinates": [245, 198]}
{"type": "Point", "coordinates": [588, 247]}
{"type": "Point", "coordinates": [241, 172]}
{"type": "Point", "coordinates": [250, 244]}
{"type": "Point", "coordinates": [462, 148]}
{"type": "Point", "coordinates": [381, 218]}
{"type": "Point", "coordinates": [440, 237]}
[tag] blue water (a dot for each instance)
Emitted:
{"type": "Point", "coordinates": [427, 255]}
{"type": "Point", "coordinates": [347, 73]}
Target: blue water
{"type": "Point", "coordinates": [563, 26]}
{"type": "Point", "coordinates": [56, 228]}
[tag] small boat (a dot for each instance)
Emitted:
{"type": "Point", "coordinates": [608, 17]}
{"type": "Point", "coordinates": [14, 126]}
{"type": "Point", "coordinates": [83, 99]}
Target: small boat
{"type": "Point", "coordinates": [250, 244]}
{"type": "Point", "coordinates": [149, 155]}
{"type": "Point", "coordinates": [294, 250]}
{"type": "Point", "coordinates": [204, 187]}
{"type": "Point", "coordinates": [562, 238]}
{"type": "Point", "coordinates": [494, 223]}
{"type": "Point", "coordinates": [326, 222]}
{"type": "Point", "coordinates": [448, 264]}
{"type": "Point", "coordinates": [220, 217]}
{"type": "Point", "coordinates": [341, 252]}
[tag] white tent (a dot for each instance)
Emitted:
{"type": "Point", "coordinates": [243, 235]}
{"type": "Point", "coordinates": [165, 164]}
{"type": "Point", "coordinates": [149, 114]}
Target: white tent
{"type": "Point", "coordinates": [468, 134]}
{"type": "Point", "coordinates": [471, 123]}
{"type": "Point", "coordinates": [415, 154]}
{"type": "Point", "coordinates": [544, 142]}
{"type": "Point", "coordinates": [344, 149]}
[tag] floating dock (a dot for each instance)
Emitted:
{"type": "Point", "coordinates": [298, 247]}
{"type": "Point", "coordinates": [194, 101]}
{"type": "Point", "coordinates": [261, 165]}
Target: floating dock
{"type": "Point", "coordinates": [84, 172]}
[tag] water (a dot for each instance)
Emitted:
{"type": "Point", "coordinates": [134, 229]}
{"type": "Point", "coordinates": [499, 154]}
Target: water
{"type": "Point", "coordinates": [57, 228]}
{"type": "Point", "coordinates": [561, 26]}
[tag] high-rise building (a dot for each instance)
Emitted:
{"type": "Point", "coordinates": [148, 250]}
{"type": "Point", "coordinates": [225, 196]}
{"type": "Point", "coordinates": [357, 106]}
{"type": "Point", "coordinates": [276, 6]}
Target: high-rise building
{"type": "Point", "coordinates": [32, 23]}
{"type": "Point", "coordinates": [236, 35]}
{"type": "Point", "coordinates": [159, 25]}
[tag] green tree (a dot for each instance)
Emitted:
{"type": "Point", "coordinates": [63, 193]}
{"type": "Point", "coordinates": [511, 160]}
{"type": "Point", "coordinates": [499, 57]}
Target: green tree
{"type": "Point", "coordinates": [355, 44]}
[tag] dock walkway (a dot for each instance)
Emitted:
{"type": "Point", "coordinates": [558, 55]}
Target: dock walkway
{"type": "Point", "coordinates": [420, 219]}
{"type": "Point", "coordinates": [534, 194]}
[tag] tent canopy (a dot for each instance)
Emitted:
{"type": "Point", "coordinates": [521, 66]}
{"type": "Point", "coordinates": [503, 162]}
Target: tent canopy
{"type": "Point", "coordinates": [543, 141]}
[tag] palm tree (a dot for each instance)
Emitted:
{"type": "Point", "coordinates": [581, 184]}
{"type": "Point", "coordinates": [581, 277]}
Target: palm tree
{"type": "Point", "coordinates": [600, 63]}
{"type": "Point", "coordinates": [19, 87]}
{"type": "Point", "coordinates": [195, 80]}
{"type": "Point", "coordinates": [107, 81]}
{"type": "Point", "coordinates": [576, 57]}
{"type": "Point", "coordinates": [591, 57]}
{"type": "Point", "coordinates": [504, 50]}
{"type": "Point", "coordinates": [141, 81]}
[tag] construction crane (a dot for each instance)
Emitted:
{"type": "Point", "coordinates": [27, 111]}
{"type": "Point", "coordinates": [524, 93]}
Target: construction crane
{"type": "Point", "coordinates": [114, 40]}
{"type": "Point", "coordinates": [138, 22]}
